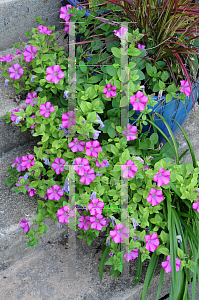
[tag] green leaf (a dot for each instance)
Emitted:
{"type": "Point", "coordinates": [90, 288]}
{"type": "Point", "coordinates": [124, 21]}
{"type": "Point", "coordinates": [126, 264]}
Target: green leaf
{"type": "Point", "coordinates": [83, 67]}
{"type": "Point", "coordinates": [45, 138]}
{"type": "Point", "coordinates": [91, 116]}
{"type": "Point", "coordinates": [145, 144]}
{"type": "Point", "coordinates": [141, 75]}
{"type": "Point", "coordinates": [154, 138]}
{"type": "Point", "coordinates": [180, 253]}
{"type": "Point", "coordinates": [54, 90]}
{"type": "Point", "coordinates": [161, 85]}
{"type": "Point", "coordinates": [116, 52]}
{"type": "Point", "coordinates": [139, 268]}
{"type": "Point", "coordinates": [83, 106]}
{"type": "Point", "coordinates": [112, 71]}
{"type": "Point", "coordinates": [94, 59]}
{"type": "Point", "coordinates": [39, 218]}
{"type": "Point", "coordinates": [38, 70]}
{"type": "Point", "coordinates": [103, 57]}
{"type": "Point", "coordinates": [31, 232]}
{"type": "Point", "coordinates": [102, 261]}
{"type": "Point", "coordinates": [165, 75]}
{"type": "Point", "coordinates": [189, 145]}
{"type": "Point", "coordinates": [134, 51]}
{"type": "Point", "coordinates": [171, 88]}
{"type": "Point", "coordinates": [162, 250]}
{"type": "Point", "coordinates": [151, 71]}
{"type": "Point", "coordinates": [168, 98]}
{"type": "Point", "coordinates": [150, 273]}
{"type": "Point", "coordinates": [164, 236]}
{"type": "Point", "coordinates": [16, 85]}
{"type": "Point", "coordinates": [95, 79]}
{"type": "Point", "coordinates": [114, 149]}
{"type": "Point", "coordinates": [111, 132]}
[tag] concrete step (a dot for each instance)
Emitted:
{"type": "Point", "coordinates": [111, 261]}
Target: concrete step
{"type": "Point", "coordinates": [17, 16]}
{"type": "Point", "coordinates": [11, 135]}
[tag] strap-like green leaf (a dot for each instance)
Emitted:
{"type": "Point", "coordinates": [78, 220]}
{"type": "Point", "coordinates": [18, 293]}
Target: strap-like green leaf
{"type": "Point", "coordinates": [189, 144]}
{"type": "Point", "coordinates": [149, 274]}
{"type": "Point", "coordinates": [102, 261]}
{"type": "Point", "coordinates": [139, 269]}
{"type": "Point", "coordinates": [172, 136]}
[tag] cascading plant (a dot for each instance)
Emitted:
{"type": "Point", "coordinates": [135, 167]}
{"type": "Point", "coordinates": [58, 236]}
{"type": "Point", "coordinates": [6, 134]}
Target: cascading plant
{"type": "Point", "coordinates": [98, 159]}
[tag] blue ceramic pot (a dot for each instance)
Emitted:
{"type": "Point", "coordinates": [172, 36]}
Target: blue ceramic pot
{"type": "Point", "coordinates": [174, 109]}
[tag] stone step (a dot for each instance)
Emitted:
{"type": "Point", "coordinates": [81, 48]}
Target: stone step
{"type": "Point", "coordinates": [18, 16]}
{"type": "Point", "coordinates": [11, 135]}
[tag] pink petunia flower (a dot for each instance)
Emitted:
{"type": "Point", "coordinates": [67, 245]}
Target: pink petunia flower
{"type": "Point", "coordinates": [28, 161]}
{"type": "Point", "coordinates": [16, 71]}
{"type": "Point", "coordinates": [130, 133]}
{"type": "Point", "coordinates": [64, 213]}
{"type": "Point", "coordinates": [84, 222]}
{"type": "Point", "coordinates": [68, 26]}
{"type": "Point", "coordinates": [121, 32]}
{"type": "Point", "coordinates": [88, 177]}
{"type": "Point", "coordinates": [25, 225]}
{"type": "Point", "coordinates": [109, 90]}
{"type": "Point", "coordinates": [129, 169]}
{"type": "Point", "coordinates": [97, 222]}
{"type": "Point", "coordinates": [31, 192]}
{"type": "Point", "coordinates": [119, 233]}
{"type": "Point", "coordinates": [155, 197]}
{"type": "Point", "coordinates": [54, 74]}
{"type": "Point", "coordinates": [167, 264]}
{"type": "Point", "coordinates": [102, 165]}
{"type": "Point", "coordinates": [64, 12]}
{"type": "Point", "coordinates": [18, 52]}
{"type": "Point", "coordinates": [195, 205]}
{"type": "Point", "coordinates": [162, 178]}
{"type": "Point", "coordinates": [46, 109]}
{"type": "Point", "coordinates": [68, 119]}
{"type": "Point", "coordinates": [95, 206]}
{"type": "Point", "coordinates": [44, 30]}
{"type": "Point", "coordinates": [76, 145]}
{"type": "Point", "coordinates": [58, 165]}
{"type": "Point", "coordinates": [81, 165]}
{"type": "Point", "coordinates": [30, 53]}
{"type": "Point", "coordinates": [142, 47]}
{"type": "Point", "coordinates": [132, 255]}
{"type": "Point", "coordinates": [18, 161]}
{"type": "Point", "coordinates": [185, 88]}
{"type": "Point", "coordinates": [93, 148]}
{"type": "Point", "coordinates": [7, 58]}
{"type": "Point", "coordinates": [138, 101]}
{"type": "Point", "coordinates": [13, 116]}
{"type": "Point", "coordinates": [152, 242]}
{"type": "Point", "coordinates": [33, 126]}
{"type": "Point", "coordinates": [55, 192]}
{"type": "Point", "coordinates": [31, 98]}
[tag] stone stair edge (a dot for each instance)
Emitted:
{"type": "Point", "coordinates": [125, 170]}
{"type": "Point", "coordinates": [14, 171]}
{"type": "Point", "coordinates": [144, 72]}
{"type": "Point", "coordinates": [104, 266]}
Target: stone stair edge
{"type": "Point", "coordinates": [11, 136]}
{"type": "Point", "coordinates": [20, 15]}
